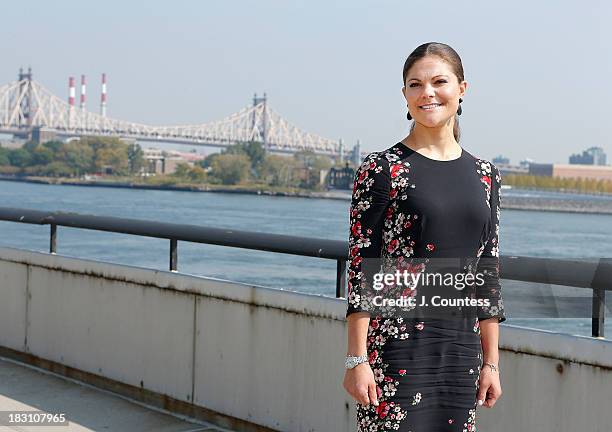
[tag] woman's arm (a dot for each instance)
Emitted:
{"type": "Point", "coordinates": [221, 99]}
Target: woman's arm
{"type": "Point", "coordinates": [488, 263]}
{"type": "Point", "coordinates": [359, 381]}
{"type": "Point", "coordinates": [369, 201]}
{"type": "Point", "coordinates": [489, 339]}
{"type": "Point", "coordinates": [357, 332]}
{"type": "Point", "coordinates": [489, 388]}
{"type": "Point", "coordinates": [490, 316]}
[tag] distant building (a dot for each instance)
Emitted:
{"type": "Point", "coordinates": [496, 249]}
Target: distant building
{"type": "Point", "coordinates": [511, 169]}
{"type": "Point", "coordinates": [341, 178]}
{"type": "Point", "coordinates": [501, 160]}
{"type": "Point", "coordinates": [596, 172]}
{"type": "Point", "coordinates": [42, 135]}
{"type": "Point", "coordinates": [590, 156]}
{"type": "Point", "coordinates": [541, 169]}
{"type": "Point", "coordinates": [12, 143]}
{"type": "Point", "coordinates": [158, 161]}
{"type": "Point", "coordinates": [503, 164]}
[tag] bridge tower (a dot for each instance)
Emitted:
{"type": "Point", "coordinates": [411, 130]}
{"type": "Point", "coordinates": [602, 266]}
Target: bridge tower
{"type": "Point", "coordinates": [263, 121]}
{"type": "Point", "coordinates": [25, 99]}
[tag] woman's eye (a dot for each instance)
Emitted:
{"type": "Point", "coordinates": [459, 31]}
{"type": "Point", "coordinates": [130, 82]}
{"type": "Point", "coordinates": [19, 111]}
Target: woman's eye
{"type": "Point", "coordinates": [439, 81]}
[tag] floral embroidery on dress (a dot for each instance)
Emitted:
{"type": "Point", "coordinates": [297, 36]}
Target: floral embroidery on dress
{"type": "Point", "coordinates": [483, 168]}
{"type": "Point", "coordinates": [470, 424]}
{"type": "Point", "coordinates": [379, 330]}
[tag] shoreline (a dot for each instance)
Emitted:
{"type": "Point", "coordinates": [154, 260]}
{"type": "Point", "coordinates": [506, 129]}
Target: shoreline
{"type": "Point", "coordinates": [512, 203]}
{"type": "Point", "coordinates": [333, 194]}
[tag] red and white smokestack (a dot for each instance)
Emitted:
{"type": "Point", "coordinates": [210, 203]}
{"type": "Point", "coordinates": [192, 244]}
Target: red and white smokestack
{"type": "Point", "coordinates": [71, 92]}
{"type": "Point", "coordinates": [83, 92]}
{"type": "Point", "coordinates": [103, 97]}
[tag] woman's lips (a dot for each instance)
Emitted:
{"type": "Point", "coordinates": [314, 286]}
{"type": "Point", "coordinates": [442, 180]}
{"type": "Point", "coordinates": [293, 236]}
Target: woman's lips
{"type": "Point", "coordinates": [430, 107]}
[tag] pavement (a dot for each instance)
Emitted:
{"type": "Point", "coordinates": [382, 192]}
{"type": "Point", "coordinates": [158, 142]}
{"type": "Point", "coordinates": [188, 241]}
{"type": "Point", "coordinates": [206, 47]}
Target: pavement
{"type": "Point", "coordinates": [86, 408]}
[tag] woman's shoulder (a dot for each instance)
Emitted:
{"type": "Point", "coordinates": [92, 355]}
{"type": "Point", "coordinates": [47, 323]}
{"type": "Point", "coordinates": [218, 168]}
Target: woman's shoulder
{"type": "Point", "coordinates": [484, 166]}
{"type": "Point", "coordinates": [383, 157]}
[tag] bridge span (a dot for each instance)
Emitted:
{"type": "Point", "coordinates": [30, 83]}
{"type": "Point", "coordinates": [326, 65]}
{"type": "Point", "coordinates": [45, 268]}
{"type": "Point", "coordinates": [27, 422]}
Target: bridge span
{"type": "Point", "coordinates": [26, 104]}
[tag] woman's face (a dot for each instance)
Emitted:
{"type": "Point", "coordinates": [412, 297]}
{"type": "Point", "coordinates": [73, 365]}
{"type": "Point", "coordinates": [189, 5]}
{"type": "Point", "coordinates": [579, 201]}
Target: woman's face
{"type": "Point", "coordinates": [432, 91]}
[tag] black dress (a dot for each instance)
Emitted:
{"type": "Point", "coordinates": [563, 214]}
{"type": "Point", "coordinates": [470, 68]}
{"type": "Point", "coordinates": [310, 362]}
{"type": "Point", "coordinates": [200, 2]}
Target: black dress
{"type": "Point", "coordinates": [421, 215]}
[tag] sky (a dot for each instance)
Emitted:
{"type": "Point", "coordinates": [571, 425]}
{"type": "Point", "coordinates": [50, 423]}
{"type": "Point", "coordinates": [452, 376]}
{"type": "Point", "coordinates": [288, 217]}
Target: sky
{"type": "Point", "coordinates": [538, 72]}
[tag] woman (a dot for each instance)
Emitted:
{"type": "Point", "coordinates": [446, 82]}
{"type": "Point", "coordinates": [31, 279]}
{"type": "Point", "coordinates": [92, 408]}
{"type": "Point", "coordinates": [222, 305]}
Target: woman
{"type": "Point", "coordinates": [411, 368]}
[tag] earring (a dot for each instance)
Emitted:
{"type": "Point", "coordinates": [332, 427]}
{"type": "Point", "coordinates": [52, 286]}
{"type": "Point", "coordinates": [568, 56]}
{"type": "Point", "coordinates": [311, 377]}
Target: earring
{"type": "Point", "coordinates": [408, 115]}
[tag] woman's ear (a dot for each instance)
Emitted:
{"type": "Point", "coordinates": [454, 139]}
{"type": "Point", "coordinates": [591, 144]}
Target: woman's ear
{"type": "Point", "coordinates": [462, 88]}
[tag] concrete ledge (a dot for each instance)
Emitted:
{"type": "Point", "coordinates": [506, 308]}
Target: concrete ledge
{"type": "Point", "coordinates": [263, 358]}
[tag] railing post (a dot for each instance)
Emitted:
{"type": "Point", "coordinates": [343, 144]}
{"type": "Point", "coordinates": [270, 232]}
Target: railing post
{"type": "Point", "coordinates": [173, 254]}
{"type": "Point", "coordinates": [599, 300]}
{"type": "Point", "coordinates": [340, 278]}
{"type": "Point", "coordinates": [599, 311]}
{"type": "Point", "coordinates": [53, 239]}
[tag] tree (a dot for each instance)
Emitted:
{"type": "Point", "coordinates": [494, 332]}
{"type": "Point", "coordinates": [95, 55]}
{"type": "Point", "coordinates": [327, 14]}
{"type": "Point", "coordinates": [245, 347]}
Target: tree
{"type": "Point", "coordinates": [42, 156]}
{"type": "Point", "coordinates": [54, 146]}
{"type": "Point", "coordinates": [231, 168]}
{"type": "Point", "coordinates": [271, 169]}
{"type": "Point", "coordinates": [20, 157]}
{"type": "Point", "coordinates": [4, 156]}
{"type": "Point", "coordinates": [79, 156]}
{"type": "Point", "coordinates": [30, 146]}
{"type": "Point", "coordinates": [255, 152]}
{"type": "Point", "coordinates": [207, 161]}
{"type": "Point", "coordinates": [182, 170]}
{"type": "Point", "coordinates": [197, 174]}
{"type": "Point", "coordinates": [135, 158]}
{"type": "Point", "coordinates": [253, 149]}
{"type": "Point", "coordinates": [57, 169]}
{"type": "Point", "coordinates": [108, 151]}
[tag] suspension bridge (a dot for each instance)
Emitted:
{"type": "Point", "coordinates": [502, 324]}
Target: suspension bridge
{"type": "Point", "coordinates": [25, 104]}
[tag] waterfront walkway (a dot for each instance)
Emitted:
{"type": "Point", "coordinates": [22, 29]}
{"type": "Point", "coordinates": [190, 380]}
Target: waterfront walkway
{"type": "Point", "coordinates": [26, 388]}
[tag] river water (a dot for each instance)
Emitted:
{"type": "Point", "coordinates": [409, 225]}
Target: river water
{"type": "Point", "coordinates": [522, 233]}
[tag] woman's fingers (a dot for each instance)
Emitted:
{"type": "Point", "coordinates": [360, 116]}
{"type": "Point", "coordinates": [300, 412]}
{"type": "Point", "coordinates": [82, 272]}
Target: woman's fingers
{"type": "Point", "coordinates": [492, 396]}
{"type": "Point", "coordinates": [372, 392]}
{"type": "Point", "coordinates": [360, 384]}
{"type": "Point", "coordinates": [482, 394]}
{"type": "Point", "coordinates": [488, 392]}
{"type": "Point", "coordinates": [362, 395]}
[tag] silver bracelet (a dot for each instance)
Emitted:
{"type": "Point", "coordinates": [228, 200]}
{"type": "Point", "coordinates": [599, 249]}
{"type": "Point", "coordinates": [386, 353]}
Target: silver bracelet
{"type": "Point", "coordinates": [493, 366]}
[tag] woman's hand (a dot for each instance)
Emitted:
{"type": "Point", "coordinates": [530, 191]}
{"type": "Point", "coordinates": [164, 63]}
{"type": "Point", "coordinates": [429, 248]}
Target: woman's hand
{"type": "Point", "coordinates": [359, 383]}
{"type": "Point", "coordinates": [489, 389]}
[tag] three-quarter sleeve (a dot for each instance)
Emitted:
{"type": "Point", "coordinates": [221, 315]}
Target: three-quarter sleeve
{"type": "Point", "coordinates": [369, 201]}
{"type": "Point", "coordinates": [488, 263]}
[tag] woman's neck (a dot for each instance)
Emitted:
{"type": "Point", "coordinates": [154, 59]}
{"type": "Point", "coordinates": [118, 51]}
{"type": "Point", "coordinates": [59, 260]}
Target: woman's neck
{"type": "Point", "coordinates": [439, 143]}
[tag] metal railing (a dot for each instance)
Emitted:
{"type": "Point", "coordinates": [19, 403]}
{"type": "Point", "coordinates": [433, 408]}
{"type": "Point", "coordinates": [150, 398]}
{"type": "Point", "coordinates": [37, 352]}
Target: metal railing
{"type": "Point", "coordinates": [593, 274]}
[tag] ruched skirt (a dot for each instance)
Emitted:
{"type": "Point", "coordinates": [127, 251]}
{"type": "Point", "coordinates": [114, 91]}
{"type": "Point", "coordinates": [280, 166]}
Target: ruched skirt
{"type": "Point", "coordinates": [427, 374]}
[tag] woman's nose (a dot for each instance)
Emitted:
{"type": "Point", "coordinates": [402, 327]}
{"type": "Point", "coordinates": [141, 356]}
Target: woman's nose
{"type": "Point", "coordinates": [428, 90]}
